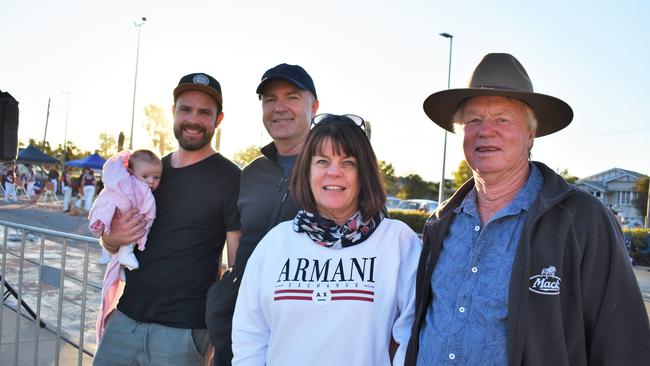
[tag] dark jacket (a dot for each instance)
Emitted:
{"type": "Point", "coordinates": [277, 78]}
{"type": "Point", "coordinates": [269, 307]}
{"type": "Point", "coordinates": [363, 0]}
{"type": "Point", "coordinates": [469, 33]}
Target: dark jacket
{"type": "Point", "coordinates": [573, 297]}
{"type": "Point", "coordinates": [264, 202]}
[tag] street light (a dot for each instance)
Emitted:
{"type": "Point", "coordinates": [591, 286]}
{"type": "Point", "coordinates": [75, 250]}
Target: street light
{"type": "Point", "coordinates": [135, 82]}
{"type": "Point", "coordinates": [441, 188]}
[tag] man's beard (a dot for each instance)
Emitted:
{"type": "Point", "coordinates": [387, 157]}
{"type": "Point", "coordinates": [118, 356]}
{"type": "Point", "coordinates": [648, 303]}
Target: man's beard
{"type": "Point", "coordinates": [191, 145]}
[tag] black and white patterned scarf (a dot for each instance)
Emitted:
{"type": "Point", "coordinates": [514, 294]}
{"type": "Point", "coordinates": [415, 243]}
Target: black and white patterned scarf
{"type": "Point", "coordinates": [327, 233]}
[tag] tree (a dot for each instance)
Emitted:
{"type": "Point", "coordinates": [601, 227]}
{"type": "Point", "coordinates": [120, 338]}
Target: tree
{"type": "Point", "coordinates": [217, 139]}
{"type": "Point", "coordinates": [120, 142]}
{"type": "Point", "coordinates": [390, 179]}
{"type": "Point", "coordinates": [413, 186]}
{"type": "Point", "coordinates": [462, 175]}
{"type": "Point", "coordinates": [158, 128]}
{"type": "Point", "coordinates": [43, 146]}
{"type": "Point", "coordinates": [245, 156]}
{"type": "Point", "coordinates": [571, 179]}
{"type": "Point", "coordinates": [641, 199]}
{"type": "Point", "coordinates": [107, 146]}
{"type": "Point", "coordinates": [72, 152]}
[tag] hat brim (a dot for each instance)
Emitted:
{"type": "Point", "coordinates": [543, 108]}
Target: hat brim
{"type": "Point", "coordinates": [182, 88]}
{"type": "Point", "coordinates": [260, 88]}
{"type": "Point", "coordinates": [552, 114]}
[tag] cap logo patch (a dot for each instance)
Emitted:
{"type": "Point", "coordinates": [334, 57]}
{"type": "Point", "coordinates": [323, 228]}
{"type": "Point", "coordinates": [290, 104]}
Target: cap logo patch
{"type": "Point", "coordinates": [200, 79]}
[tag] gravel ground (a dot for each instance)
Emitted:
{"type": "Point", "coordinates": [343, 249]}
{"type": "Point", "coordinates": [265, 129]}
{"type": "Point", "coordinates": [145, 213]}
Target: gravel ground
{"type": "Point", "coordinates": [49, 216]}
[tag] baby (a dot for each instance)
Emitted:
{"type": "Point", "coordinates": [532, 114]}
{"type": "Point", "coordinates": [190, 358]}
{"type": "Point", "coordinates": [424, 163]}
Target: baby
{"type": "Point", "coordinates": [129, 179]}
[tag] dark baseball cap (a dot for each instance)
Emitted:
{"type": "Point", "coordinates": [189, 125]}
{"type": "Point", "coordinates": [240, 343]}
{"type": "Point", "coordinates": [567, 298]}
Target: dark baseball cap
{"type": "Point", "coordinates": [292, 73]}
{"type": "Point", "coordinates": [201, 82]}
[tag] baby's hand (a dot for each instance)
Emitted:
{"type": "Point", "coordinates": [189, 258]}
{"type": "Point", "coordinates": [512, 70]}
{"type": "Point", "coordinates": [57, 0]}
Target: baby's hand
{"type": "Point", "coordinates": [97, 228]}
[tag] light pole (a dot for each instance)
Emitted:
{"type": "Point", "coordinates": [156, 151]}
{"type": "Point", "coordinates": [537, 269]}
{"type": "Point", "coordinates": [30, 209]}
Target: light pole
{"type": "Point", "coordinates": [441, 189]}
{"type": "Point", "coordinates": [135, 82]}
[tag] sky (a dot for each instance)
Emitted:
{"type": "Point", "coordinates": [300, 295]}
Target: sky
{"type": "Point", "coordinates": [375, 58]}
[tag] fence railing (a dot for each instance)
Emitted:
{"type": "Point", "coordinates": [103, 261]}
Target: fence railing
{"type": "Point", "coordinates": [54, 282]}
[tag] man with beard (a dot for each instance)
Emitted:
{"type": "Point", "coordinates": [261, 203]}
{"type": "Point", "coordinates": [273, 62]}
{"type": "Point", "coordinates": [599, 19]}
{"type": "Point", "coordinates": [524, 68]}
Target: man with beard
{"type": "Point", "coordinates": [160, 318]}
{"type": "Point", "coordinates": [289, 102]}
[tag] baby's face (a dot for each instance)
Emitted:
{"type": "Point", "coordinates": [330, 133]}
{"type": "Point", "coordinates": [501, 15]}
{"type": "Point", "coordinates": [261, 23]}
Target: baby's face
{"type": "Point", "coordinates": [148, 173]}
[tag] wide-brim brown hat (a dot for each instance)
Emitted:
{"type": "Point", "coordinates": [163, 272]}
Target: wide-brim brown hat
{"type": "Point", "coordinates": [500, 74]}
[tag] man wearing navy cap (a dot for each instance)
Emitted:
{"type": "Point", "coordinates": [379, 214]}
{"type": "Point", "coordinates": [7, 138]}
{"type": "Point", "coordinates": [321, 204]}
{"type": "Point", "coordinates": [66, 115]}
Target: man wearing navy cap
{"type": "Point", "coordinates": [160, 318]}
{"type": "Point", "coordinates": [289, 102]}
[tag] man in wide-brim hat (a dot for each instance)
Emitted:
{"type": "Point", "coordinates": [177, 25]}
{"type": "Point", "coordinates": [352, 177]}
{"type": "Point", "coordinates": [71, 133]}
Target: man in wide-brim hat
{"type": "Point", "coordinates": [519, 267]}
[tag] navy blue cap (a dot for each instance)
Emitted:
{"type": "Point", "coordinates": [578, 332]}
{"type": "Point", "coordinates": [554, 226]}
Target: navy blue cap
{"type": "Point", "coordinates": [201, 82]}
{"type": "Point", "coordinates": [292, 73]}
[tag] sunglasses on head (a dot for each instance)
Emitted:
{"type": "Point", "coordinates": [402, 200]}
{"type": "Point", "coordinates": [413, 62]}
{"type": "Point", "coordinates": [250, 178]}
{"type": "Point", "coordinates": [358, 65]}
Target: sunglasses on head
{"type": "Point", "coordinates": [326, 118]}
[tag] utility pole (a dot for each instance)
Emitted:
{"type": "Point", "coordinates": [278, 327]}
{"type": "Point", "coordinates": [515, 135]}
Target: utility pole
{"type": "Point", "coordinates": [47, 118]}
{"type": "Point", "coordinates": [647, 207]}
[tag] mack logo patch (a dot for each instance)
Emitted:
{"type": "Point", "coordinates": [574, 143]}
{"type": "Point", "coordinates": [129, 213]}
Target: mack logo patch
{"type": "Point", "coordinates": [546, 283]}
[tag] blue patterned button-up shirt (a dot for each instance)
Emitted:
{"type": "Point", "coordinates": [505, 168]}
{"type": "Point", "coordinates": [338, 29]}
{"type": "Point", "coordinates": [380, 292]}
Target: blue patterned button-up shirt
{"type": "Point", "coordinates": [466, 321]}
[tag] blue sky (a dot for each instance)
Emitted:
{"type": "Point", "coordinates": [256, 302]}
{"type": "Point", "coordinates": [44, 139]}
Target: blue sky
{"type": "Point", "coordinates": [378, 59]}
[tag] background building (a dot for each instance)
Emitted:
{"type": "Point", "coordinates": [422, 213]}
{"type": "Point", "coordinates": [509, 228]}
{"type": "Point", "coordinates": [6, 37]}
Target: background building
{"type": "Point", "coordinates": [615, 188]}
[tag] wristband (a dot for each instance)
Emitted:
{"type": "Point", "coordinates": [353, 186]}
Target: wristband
{"type": "Point", "coordinates": [106, 246]}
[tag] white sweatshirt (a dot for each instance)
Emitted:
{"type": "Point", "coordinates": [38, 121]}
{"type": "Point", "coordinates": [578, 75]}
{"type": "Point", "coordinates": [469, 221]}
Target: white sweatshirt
{"type": "Point", "coordinates": [304, 304]}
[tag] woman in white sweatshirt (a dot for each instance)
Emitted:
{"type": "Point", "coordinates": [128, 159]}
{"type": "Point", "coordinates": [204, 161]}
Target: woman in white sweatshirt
{"type": "Point", "coordinates": [335, 286]}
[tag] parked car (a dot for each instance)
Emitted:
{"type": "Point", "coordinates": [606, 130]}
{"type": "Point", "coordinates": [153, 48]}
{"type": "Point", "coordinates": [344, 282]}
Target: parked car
{"type": "Point", "coordinates": [392, 202]}
{"type": "Point", "coordinates": [423, 205]}
{"type": "Point", "coordinates": [632, 222]}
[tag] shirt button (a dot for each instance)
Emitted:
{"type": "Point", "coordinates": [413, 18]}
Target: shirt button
{"type": "Point", "coordinates": [452, 356]}
{"type": "Point", "coordinates": [477, 228]}
{"type": "Point", "coordinates": [474, 269]}
{"type": "Point", "coordinates": [461, 309]}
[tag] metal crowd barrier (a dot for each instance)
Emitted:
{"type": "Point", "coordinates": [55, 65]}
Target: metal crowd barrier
{"type": "Point", "coordinates": [35, 261]}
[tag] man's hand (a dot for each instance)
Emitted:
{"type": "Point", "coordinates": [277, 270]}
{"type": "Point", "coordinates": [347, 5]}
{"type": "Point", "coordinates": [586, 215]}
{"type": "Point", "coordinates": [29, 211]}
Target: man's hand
{"type": "Point", "coordinates": [126, 228]}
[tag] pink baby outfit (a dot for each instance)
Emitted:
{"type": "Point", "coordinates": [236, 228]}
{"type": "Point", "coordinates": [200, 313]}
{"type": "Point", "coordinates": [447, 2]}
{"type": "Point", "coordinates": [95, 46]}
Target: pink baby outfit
{"type": "Point", "coordinates": [121, 191]}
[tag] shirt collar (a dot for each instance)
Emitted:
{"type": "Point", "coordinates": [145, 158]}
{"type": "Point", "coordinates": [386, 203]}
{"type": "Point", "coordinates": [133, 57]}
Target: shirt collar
{"type": "Point", "coordinates": [468, 205]}
{"type": "Point", "coordinates": [522, 201]}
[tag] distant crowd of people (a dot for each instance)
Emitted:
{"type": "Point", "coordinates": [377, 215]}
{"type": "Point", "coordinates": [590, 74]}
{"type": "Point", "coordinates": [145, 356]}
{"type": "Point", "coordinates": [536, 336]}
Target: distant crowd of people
{"type": "Point", "coordinates": [24, 179]}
